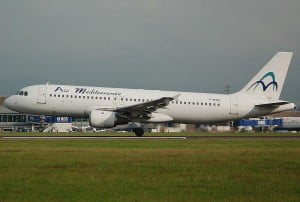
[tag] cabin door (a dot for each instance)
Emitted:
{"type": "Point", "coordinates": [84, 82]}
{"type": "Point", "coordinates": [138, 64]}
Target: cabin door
{"type": "Point", "coordinates": [234, 106]}
{"type": "Point", "coordinates": [42, 95]}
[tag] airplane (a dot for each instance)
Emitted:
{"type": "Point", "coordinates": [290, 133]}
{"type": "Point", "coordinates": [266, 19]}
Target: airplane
{"type": "Point", "coordinates": [108, 107]}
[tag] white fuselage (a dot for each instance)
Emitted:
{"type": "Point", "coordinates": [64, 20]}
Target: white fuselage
{"type": "Point", "coordinates": [78, 101]}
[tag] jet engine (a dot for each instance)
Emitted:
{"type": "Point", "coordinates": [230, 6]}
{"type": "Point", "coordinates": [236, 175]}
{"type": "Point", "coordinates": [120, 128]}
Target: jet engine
{"type": "Point", "coordinates": [106, 119]}
{"type": "Point", "coordinates": [102, 119]}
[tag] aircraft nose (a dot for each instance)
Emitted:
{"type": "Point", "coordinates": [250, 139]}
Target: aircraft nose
{"type": "Point", "coordinates": [8, 102]}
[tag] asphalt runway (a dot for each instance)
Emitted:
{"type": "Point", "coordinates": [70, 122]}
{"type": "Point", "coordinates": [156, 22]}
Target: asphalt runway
{"type": "Point", "coordinates": [265, 138]}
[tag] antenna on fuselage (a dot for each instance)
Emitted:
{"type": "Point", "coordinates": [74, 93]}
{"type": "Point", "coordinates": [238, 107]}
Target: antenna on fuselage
{"type": "Point", "coordinates": [227, 88]}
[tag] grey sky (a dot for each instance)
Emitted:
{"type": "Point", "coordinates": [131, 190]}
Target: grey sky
{"type": "Point", "coordinates": [191, 45]}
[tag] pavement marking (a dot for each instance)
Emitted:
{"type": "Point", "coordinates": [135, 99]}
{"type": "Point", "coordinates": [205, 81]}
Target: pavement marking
{"type": "Point", "coordinates": [278, 138]}
{"type": "Point", "coordinates": [89, 138]}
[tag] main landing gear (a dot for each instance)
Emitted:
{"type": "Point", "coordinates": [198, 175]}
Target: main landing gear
{"type": "Point", "coordinates": [139, 132]}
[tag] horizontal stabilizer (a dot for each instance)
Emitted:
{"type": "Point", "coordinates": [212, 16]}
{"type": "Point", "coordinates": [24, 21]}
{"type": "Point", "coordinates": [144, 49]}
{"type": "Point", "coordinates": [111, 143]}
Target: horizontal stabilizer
{"type": "Point", "coordinates": [273, 104]}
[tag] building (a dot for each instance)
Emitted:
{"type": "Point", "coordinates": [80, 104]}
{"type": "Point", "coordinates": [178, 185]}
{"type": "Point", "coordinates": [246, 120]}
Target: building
{"type": "Point", "coordinates": [287, 121]}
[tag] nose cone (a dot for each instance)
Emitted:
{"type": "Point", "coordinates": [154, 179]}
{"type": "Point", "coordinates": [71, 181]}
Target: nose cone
{"type": "Point", "coordinates": [8, 103]}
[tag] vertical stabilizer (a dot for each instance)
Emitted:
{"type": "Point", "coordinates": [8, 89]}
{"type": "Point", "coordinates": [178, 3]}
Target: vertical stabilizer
{"type": "Point", "coordinates": [270, 79]}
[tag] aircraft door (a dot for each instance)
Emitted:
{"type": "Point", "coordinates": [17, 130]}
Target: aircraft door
{"type": "Point", "coordinates": [42, 95]}
{"type": "Point", "coordinates": [115, 100]}
{"type": "Point", "coordinates": [122, 100]}
{"type": "Point", "coordinates": [118, 100]}
{"type": "Point", "coordinates": [234, 106]}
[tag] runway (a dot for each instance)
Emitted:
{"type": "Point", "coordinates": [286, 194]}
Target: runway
{"type": "Point", "coordinates": [223, 138]}
{"type": "Point", "coordinates": [88, 138]}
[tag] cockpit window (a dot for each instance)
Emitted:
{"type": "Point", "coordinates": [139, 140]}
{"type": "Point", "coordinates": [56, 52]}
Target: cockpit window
{"type": "Point", "coordinates": [22, 93]}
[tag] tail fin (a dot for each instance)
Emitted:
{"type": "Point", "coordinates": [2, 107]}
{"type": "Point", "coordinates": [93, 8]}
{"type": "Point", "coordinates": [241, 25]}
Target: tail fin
{"type": "Point", "coordinates": [270, 79]}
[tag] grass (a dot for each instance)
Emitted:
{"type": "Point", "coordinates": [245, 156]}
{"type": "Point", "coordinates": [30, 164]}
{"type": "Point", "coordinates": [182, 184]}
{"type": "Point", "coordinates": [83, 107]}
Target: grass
{"type": "Point", "coordinates": [149, 170]}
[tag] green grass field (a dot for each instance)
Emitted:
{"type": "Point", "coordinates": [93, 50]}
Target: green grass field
{"type": "Point", "coordinates": [149, 170]}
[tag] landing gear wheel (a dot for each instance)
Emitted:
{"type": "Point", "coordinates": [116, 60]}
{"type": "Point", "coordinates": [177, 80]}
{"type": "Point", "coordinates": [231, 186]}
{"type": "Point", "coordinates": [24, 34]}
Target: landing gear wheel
{"type": "Point", "coordinates": [40, 129]}
{"type": "Point", "coordinates": [139, 132]}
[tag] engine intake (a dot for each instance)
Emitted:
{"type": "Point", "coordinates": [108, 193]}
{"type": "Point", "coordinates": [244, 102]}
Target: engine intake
{"type": "Point", "coordinates": [102, 119]}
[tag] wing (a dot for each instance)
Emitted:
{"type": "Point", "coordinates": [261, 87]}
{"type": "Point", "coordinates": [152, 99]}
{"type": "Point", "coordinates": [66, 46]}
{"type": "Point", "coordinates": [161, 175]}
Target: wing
{"type": "Point", "coordinates": [144, 110]}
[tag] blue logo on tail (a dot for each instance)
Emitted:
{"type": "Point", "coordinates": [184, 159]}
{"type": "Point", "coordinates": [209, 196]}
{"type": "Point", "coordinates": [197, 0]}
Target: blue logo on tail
{"type": "Point", "coordinates": [264, 86]}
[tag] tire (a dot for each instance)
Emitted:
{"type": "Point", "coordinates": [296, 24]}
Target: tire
{"type": "Point", "coordinates": [139, 132]}
{"type": "Point", "coordinates": [40, 129]}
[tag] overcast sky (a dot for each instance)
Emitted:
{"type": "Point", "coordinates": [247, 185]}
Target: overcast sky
{"type": "Point", "coordinates": [191, 45]}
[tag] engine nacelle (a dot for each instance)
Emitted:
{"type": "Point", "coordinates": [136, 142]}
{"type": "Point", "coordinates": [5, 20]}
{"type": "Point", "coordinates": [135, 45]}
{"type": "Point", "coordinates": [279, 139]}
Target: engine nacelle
{"type": "Point", "coordinates": [103, 119]}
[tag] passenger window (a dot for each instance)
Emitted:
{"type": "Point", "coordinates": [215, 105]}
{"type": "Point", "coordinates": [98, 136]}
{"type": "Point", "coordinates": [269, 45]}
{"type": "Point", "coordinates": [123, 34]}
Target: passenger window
{"type": "Point", "coordinates": [58, 95]}
{"type": "Point", "coordinates": [9, 118]}
{"type": "Point", "coordinates": [50, 95]}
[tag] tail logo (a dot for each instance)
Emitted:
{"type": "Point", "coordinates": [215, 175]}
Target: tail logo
{"type": "Point", "coordinates": [266, 86]}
